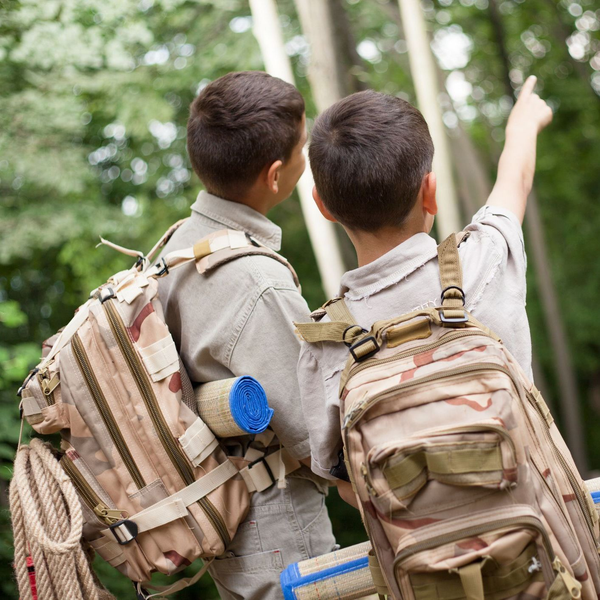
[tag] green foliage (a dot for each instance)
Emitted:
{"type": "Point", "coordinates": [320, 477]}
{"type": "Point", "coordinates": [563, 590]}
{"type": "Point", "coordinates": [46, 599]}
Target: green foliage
{"type": "Point", "coordinates": [93, 105]}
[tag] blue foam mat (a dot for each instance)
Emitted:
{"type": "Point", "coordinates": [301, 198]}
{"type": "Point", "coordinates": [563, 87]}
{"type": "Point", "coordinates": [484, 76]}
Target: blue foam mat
{"type": "Point", "coordinates": [249, 406]}
{"type": "Point", "coordinates": [291, 579]}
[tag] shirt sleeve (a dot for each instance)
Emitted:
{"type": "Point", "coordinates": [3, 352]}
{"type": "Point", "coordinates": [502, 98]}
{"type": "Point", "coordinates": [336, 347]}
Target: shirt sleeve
{"type": "Point", "coordinates": [268, 348]}
{"type": "Point", "coordinates": [506, 234]}
{"type": "Point", "coordinates": [322, 414]}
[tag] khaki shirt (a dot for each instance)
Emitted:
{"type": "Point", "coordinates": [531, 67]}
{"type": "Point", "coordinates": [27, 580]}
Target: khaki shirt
{"type": "Point", "coordinates": [237, 320]}
{"type": "Point", "coordinates": [403, 280]}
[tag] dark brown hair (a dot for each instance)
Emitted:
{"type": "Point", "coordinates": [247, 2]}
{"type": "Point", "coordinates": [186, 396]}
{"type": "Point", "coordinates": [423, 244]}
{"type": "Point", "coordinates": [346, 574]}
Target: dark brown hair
{"type": "Point", "coordinates": [369, 153]}
{"type": "Point", "coordinates": [240, 123]}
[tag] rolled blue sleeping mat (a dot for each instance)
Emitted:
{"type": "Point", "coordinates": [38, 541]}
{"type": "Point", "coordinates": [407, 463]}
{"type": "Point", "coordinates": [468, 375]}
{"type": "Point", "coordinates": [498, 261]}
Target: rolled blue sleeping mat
{"type": "Point", "coordinates": [340, 575]}
{"type": "Point", "coordinates": [232, 407]}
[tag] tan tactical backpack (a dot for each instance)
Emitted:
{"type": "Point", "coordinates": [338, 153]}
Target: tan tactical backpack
{"type": "Point", "coordinates": [466, 487]}
{"type": "Point", "coordinates": [156, 488]}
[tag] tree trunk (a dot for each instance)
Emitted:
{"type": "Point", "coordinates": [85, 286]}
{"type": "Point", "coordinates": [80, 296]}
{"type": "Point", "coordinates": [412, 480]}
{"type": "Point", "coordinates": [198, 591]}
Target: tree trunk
{"type": "Point", "coordinates": [322, 233]}
{"type": "Point", "coordinates": [424, 75]}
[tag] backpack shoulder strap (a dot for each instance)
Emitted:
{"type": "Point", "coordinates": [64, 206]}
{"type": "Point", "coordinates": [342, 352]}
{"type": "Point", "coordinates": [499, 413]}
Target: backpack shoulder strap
{"type": "Point", "coordinates": [215, 250]}
{"type": "Point", "coordinates": [453, 296]}
{"type": "Point", "coordinates": [342, 326]}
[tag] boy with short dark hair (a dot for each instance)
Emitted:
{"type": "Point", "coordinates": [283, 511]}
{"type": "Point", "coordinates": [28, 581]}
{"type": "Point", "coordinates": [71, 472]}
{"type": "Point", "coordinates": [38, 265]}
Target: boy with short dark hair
{"type": "Point", "coordinates": [245, 137]}
{"type": "Point", "coordinates": [371, 157]}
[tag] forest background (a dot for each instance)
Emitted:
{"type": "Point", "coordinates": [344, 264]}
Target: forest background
{"type": "Point", "coordinates": [94, 98]}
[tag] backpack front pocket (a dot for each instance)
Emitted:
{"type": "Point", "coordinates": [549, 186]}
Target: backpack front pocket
{"type": "Point", "coordinates": [491, 554]}
{"type": "Point", "coordinates": [478, 456]}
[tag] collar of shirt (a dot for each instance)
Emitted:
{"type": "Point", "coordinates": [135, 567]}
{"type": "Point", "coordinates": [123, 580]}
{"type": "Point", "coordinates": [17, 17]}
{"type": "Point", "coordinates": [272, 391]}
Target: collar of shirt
{"type": "Point", "coordinates": [390, 268]}
{"type": "Point", "coordinates": [234, 215]}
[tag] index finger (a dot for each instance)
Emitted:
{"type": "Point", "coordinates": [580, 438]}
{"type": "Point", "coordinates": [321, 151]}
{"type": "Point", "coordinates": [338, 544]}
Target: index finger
{"type": "Point", "coordinates": [528, 87]}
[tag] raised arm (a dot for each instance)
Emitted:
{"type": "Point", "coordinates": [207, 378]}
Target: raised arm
{"type": "Point", "coordinates": [517, 163]}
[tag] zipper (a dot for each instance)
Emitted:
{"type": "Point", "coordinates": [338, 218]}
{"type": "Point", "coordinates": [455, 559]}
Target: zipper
{"type": "Point", "coordinates": [104, 410]}
{"type": "Point", "coordinates": [90, 497]}
{"type": "Point", "coordinates": [446, 538]}
{"type": "Point", "coordinates": [581, 500]}
{"type": "Point", "coordinates": [167, 439]}
{"type": "Point", "coordinates": [555, 501]}
{"type": "Point", "coordinates": [450, 337]}
{"type": "Point", "coordinates": [353, 416]}
{"type": "Point", "coordinates": [48, 385]}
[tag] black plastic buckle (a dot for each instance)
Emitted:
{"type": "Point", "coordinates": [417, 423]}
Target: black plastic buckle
{"type": "Point", "coordinates": [130, 526]}
{"type": "Point", "coordinates": [164, 270]}
{"type": "Point", "coordinates": [251, 240]}
{"type": "Point", "coordinates": [454, 287]}
{"type": "Point", "coordinates": [263, 460]}
{"type": "Point", "coordinates": [27, 380]}
{"type": "Point", "coordinates": [444, 319]}
{"type": "Point", "coordinates": [340, 470]}
{"type": "Point", "coordinates": [349, 344]}
{"type": "Point", "coordinates": [362, 342]}
{"type": "Point", "coordinates": [139, 262]}
{"type": "Point", "coordinates": [106, 294]}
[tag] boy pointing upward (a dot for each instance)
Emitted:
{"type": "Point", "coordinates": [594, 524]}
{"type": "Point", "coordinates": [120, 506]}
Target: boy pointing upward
{"type": "Point", "coordinates": [371, 156]}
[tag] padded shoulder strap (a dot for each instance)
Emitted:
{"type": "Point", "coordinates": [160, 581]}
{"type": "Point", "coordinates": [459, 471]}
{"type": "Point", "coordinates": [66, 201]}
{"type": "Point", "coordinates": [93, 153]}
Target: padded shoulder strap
{"type": "Point", "coordinates": [227, 245]}
{"type": "Point", "coordinates": [453, 296]}
{"type": "Point", "coordinates": [216, 249]}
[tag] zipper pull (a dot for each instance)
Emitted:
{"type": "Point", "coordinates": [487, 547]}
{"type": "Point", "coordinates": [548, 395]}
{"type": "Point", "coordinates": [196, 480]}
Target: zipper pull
{"type": "Point", "coordinates": [109, 515]}
{"type": "Point", "coordinates": [572, 585]}
{"type": "Point", "coordinates": [535, 565]}
{"type": "Point", "coordinates": [365, 473]}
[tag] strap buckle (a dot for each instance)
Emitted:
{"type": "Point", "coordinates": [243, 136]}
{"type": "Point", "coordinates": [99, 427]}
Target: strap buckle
{"type": "Point", "coordinates": [106, 294]}
{"type": "Point", "coordinates": [453, 287]}
{"type": "Point", "coordinates": [451, 320]}
{"type": "Point", "coordinates": [140, 262]}
{"type": "Point", "coordinates": [164, 270]}
{"type": "Point", "coordinates": [362, 342]}
{"type": "Point", "coordinates": [263, 460]}
{"type": "Point", "coordinates": [130, 533]}
{"type": "Point", "coordinates": [349, 328]}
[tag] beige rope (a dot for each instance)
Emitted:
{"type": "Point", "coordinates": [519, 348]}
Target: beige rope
{"type": "Point", "coordinates": [47, 524]}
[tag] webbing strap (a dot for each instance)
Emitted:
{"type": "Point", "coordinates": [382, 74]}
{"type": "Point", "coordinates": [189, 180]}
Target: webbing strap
{"type": "Point", "coordinates": [328, 332]}
{"type": "Point", "coordinates": [214, 250]}
{"type": "Point", "coordinates": [198, 442]}
{"type": "Point", "coordinates": [342, 327]}
{"type": "Point", "coordinates": [161, 358]}
{"type": "Point", "coordinates": [266, 470]}
{"type": "Point", "coordinates": [30, 406]}
{"type": "Point", "coordinates": [451, 279]}
{"type": "Point", "coordinates": [377, 574]}
{"type": "Point", "coordinates": [175, 587]}
{"type": "Point", "coordinates": [337, 310]}
{"type": "Point", "coordinates": [472, 581]}
{"type": "Point", "coordinates": [175, 506]}
{"type": "Point", "coordinates": [446, 462]}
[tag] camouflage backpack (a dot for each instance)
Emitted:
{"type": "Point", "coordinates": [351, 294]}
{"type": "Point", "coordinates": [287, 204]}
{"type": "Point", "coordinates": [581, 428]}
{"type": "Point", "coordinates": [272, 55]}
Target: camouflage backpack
{"type": "Point", "coordinates": [156, 488]}
{"type": "Point", "coordinates": [466, 487]}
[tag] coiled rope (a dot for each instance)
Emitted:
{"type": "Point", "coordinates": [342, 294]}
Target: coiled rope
{"type": "Point", "coordinates": [47, 525]}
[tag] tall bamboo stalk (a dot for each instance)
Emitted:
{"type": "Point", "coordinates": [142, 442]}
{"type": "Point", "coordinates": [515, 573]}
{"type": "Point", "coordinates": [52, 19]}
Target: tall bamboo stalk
{"type": "Point", "coordinates": [424, 76]}
{"type": "Point", "coordinates": [267, 31]}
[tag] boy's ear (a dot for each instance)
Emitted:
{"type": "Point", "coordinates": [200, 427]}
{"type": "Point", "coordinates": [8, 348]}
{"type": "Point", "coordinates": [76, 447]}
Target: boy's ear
{"type": "Point", "coordinates": [272, 177]}
{"type": "Point", "coordinates": [322, 208]}
{"type": "Point", "coordinates": [429, 188]}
